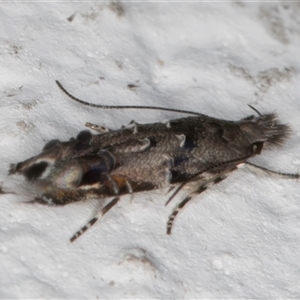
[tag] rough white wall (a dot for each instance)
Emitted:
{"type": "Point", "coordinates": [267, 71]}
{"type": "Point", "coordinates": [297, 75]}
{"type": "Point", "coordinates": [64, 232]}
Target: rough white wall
{"type": "Point", "coordinates": [239, 239]}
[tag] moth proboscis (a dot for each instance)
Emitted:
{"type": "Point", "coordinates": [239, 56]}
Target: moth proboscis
{"type": "Point", "coordinates": [140, 157]}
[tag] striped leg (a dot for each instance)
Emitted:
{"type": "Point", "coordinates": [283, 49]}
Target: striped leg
{"type": "Point", "coordinates": [204, 186]}
{"type": "Point", "coordinates": [98, 216]}
{"type": "Point", "coordinates": [176, 211]}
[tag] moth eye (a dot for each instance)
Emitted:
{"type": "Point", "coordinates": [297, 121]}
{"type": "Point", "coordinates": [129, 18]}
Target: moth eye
{"type": "Point", "coordinates": [84, 136]}
{"type": "Point", "coordinates": [36, 170]}
{"type": "Point", "coordinates": [94, 174]}
{"type": "Point", "coordinates": [50, 144]}
{"type": "Point", "coordinates": [257, 147]}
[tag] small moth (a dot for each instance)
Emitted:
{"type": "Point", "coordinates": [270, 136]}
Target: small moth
{"type": "Point", "coordinates": [140, 157]}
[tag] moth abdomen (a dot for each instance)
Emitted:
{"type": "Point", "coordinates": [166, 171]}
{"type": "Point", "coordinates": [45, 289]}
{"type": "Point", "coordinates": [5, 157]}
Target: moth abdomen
{"type": "Point", "coordinates": [276, 132]}
{"type": "Point", "coordinates": [266, 128]}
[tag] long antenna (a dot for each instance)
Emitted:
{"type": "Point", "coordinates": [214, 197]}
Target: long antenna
{"type": "Point", "coordinates": [255, 109]}
{"type": "Point", "coordinates": [124, 106]}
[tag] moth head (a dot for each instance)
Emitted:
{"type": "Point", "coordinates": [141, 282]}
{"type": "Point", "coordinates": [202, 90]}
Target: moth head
{"type": "Point", "coordinates": [39, 166]}
{"type": "Point", "coordinates": [266, 129]}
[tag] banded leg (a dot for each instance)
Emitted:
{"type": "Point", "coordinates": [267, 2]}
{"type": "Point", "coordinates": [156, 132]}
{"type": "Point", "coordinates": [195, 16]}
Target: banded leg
{"type": "Point", "coordinates": [176, 191]}
{"type": "Point", "coordinates": [98, 216]}
{"type": "Point", "coordinates": [203, 187]}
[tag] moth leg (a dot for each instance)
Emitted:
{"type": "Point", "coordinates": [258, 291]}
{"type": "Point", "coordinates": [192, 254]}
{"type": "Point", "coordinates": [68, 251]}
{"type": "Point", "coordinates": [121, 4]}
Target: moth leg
{"type": "Point", "coordinates": [203, 187]}
{"type": "Point", "coordinates": [98, 128]}
{"type": "Point", "coordinates": [65, 196]}
{"type": "Point", "coordinates": [176, 192]}
{"type": "Point", "coordinates": [97, 217]}
{"type": "Point", "coordinates": [285, 175]}
{"type": "Point", "coordinates": [169, 191]}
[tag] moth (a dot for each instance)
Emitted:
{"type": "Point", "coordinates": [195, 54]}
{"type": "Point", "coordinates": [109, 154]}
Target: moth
{"type": "Point", "coordinates": [197, 150]}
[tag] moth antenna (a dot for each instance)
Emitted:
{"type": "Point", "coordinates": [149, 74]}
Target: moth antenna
{"type": "Point", "coordinates": [281, 174]}
{"type": "Point", "coordinates": [255, 110]}
{"type": "Point", "coordinates": [124, 106]}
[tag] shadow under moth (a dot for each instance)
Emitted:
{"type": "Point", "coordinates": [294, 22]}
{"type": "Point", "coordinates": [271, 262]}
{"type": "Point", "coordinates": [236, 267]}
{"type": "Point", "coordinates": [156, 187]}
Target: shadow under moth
{"type": "Point", "coordinates": [198, 149]}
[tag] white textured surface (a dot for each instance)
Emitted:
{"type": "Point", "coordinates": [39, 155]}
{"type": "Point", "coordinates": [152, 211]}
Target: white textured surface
{"type": "Point", "coordinates": [240, 239]}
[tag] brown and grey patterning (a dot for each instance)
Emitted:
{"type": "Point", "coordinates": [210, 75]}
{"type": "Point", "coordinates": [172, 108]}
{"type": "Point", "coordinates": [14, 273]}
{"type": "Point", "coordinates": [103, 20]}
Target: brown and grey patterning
{"type": "Point", "coordinates": [143, 157]}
